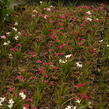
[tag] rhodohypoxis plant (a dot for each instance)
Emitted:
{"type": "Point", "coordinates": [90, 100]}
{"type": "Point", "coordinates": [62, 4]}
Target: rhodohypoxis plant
{"type": "Point", "coordinates": [48, 56]}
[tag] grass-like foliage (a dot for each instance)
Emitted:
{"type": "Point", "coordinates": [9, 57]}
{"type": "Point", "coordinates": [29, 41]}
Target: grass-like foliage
{"type": "Point", "coordinates": [55, 57]}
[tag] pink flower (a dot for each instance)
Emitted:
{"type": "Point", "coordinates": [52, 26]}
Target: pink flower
{"type": "Point", "coordinates": [45, 9]}
{"type": "Point", "coordinates": [51, 83]}
{"type": "Point", "coordinates": [46, 76]}
{"type": "Point", "coordinates": [3, 37]}
{"type": "Point", "coordinates": [33, 78]}
{"type": "Point", "coordinates": [26, 106]}
{"type": "Point", "coordinates": [61, 24]}
{"type": "Point", "coordinates": [56, 54]}
{"type": "Point", "coordinates": [21, 78]}
{"type": "Point", "coordinates": [41, 15]}
{"type": "Point", "coordinates": [24, 90]}
{"type": "Point", "coordinates": [45, 81]}
{"type": "Point", "coordinates": [11, 89]}
{"type": "Point", "coordinates": [61, 54]}
{"type": "Point", "coordinates": [29, 99]}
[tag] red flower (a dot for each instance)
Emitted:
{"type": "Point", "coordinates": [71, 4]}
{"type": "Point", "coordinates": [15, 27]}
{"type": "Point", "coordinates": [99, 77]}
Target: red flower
{"type": "Point", "coordinates": [57, 40]}
{"type": "Point", "coordinates": [53, 36]}
{"type": "Point", "coordinates": [85, 97]}
{"type": "Point", "coordinates": [16, 94]}
{"type": "Point", "coordinates": [61, 28]}
{"type": "Point", "coordinates": [42, 70]}
{"type": "Point", "coordinates": [32, 54]}
{"type": "Point", "coordinates": [62, 46]}
{"type": "Point", "coordinates": [14, 49]}
{"type": "Point", "coordinates": [25, 34]}
{"type": "Point", "coordinates": [91, 49]}
{"type": "Point", "coordinates": [79, 44]}
{"type": "Point", "coordinates": [55, 68]}
{"type": "Point", "coordinates": [51, 50]}
{"type": "Point", "coordinates": [19, 45]}
{"type": "Point", "coordinates": [80, 85]}
{"type": "Point", "coordinates": [39, 61]}
{"type": "Point", "coordinates": [68, 14]}
{"type": "Point", "coordinates": [61, 17]}
{"type": "Point", "coordinates": [59, 54]}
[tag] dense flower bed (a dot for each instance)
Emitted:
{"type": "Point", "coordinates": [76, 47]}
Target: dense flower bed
{"type": "Point", "coordinates": [55, 58]}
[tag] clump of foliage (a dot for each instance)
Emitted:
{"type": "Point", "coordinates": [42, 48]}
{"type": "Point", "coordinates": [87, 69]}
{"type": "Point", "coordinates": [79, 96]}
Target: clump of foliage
{"type": "Point", "coordinates": [5, 10]}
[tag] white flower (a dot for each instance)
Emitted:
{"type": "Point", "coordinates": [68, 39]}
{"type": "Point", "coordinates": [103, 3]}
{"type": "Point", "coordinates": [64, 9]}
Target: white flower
{"type": "Point", "coordinates": [88, 12]}
{"type": "Point", "coordinates": [78, 101]}
{"type": "Point", "coordinates": [19, 33]}
{"type": "Point", "coordinates": [89, 19]}
{"type": "Point", "coordinates": [74, 107]}
{"type": "Point", "coordinates": [33, 16]}
{"type": "Point", "coordinates": [51, 6]}
{"type": "Point", "coordinates": [16, 37]}
{"type": "Point", "coordinates": [45, 16]}
{"type": "Point", "coordinates": [35, 11]}
{"type": "Point", "coordinates": [62, 61]}
{"type": "Point", "coordinates": [6, 43]}
{"type": "Point", "coordinates": [101, 41]}
{"type": "Point", "coordinates": [8, 33]}
{"type": "Point", "coordinates": [89, 104]}
{"type": "Point", "coordinates": [48, 9]}
{"type": "Point", "coordinates": [23, 96]}
{"type": "Point", "coordinates": [108, 45]}
{"type": "Point", "coordinates": [15, 29]}
{"type": "Point", "coordinates": [40, 2]}
{"type": "Point", "coordinates": [68, 56]}
{"type": "Point", "coordinates": [10, 56]}
{"type": "Point", "coordinates": [11, 102]}
{"type": "Point", "coordinates": [78, 64]}
{"type": "Point", "coordinates": [69, 107]}
{"type": "Point", "coordinates": [16, 24]}
{"type": "Point", "coordinates": [2, 100]}
{"type": "Point", "coordinates": [96, 19]}
{"type": "Point", "coordinates": [24, 108]}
